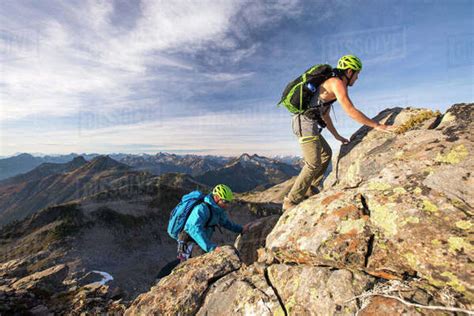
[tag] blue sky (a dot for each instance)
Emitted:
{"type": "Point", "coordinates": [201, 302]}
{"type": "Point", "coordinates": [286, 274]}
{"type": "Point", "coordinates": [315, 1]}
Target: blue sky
{"type": "Point", "coordinates": [204, 76]}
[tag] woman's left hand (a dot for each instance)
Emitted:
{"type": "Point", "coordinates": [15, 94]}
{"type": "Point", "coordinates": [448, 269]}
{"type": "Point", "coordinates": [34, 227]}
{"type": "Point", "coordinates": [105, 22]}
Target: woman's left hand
{"type": "Point", "coordinates": [246, 228]}
{"type": "Point", "coordinates": [343, 140]}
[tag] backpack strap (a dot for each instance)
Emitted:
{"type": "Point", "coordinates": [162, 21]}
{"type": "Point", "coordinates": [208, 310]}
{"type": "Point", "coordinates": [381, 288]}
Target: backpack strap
{"type": "Point", "coordinates": [210, 214]}
{"type": "Point", "coordinates": [210, 218]}
{"type": "Point", "coordinates": [199, 202]}
{"type": "Point", "coordinates": [299, 125]}
{"type": "Point", "coordinates": [336, 72]}
{"type": "Point", "coordinates": [192, 209]}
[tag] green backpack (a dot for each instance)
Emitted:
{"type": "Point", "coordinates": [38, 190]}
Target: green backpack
{"type": "Point", "coordinates": [297, 94]}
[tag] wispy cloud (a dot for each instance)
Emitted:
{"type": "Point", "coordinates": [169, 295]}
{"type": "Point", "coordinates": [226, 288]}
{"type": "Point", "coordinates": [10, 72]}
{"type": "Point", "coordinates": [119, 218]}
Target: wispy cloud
{"type": "Point", "coordinates": [85, 54]}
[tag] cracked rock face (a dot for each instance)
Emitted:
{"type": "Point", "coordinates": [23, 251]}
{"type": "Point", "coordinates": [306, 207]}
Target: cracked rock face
{"type": "Point", "coordinates": [248, 243]}
{"type": "Point", "coordinates": [182, 292]}
{"type": "Point", "coordinates": [399, 205]}
{"type": "Point", "coordinates": [244, 292]}
{"type": "Point", "coordinates": [309, 290]}
{"type": "Point", "coordinates": [331, 230]}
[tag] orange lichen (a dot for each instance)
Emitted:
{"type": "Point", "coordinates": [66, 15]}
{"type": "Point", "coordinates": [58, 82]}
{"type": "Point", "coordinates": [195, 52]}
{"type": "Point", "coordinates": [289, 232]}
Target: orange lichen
{"type": "Point", "coordinates": [345, 211]}
{"type": "Point", "coordinates": [383, 275]}
{"type": "Point", "coordinates": [328, 200]}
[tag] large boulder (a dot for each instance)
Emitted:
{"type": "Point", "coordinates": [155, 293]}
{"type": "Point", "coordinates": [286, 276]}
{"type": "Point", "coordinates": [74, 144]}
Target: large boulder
{"type": "Point", "coordinates": [244, 292]}
{"type": "Point", "coordinates": [248, 243]}
{"type": "Point", "coordinates": [369, 150]}
{"type": "Point", "coordinates": [398, 205]}
{"type": "Point", "coordinates": [309, 290]}
{"type": "Point", "coordinates": [330, 229]}
{"type": "Point", "coordinates": [182, 292]}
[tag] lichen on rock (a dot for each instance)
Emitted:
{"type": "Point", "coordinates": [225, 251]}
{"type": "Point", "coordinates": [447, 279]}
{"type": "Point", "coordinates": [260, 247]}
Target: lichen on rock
{"type": "Point", "coordinates": [417, 119]}
{"type": "Point", "coordinates": [385, 217]}
{"type": "Point", "coordinates": [454, 156]}
{"type": "Point", "coordinates": [429, 206]}
{"type": "Point", "coordinates": [459, 244]}
{"type": "Point", "coordinates": [464, 224]}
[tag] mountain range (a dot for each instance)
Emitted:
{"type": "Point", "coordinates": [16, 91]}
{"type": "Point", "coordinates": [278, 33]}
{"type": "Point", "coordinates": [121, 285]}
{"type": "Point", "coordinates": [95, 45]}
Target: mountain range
{"type": "Point", "coordinates": [55, 183]}
{"type": "Point", "coordinates": [52, 183]}
{"type": "Point", "coordinates": [155, 164]}
{"type": "Point", "coordinates": [21, 163]}
{"type": "Point", "coordinates": [249, 172]}
{"type": "Point", "coordinates": [165, 162]}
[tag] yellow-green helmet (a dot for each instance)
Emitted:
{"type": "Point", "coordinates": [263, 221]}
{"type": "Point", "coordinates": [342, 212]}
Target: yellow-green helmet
{"type": "Point", "coordinates": [224, 192]}
{"type": "Point", "coordinates": [349, 62]}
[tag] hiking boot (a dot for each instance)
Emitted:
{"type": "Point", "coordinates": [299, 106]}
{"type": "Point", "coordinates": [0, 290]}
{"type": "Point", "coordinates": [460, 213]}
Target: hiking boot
{"type": "Point", "coordinates": [312, 191]}
{"type": "Point", "coordinates": [288, 205]}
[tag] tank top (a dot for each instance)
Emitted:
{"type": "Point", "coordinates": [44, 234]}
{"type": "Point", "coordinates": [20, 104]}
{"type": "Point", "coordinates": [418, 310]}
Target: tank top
{"type": "Point", "coordinates": [310, 123]}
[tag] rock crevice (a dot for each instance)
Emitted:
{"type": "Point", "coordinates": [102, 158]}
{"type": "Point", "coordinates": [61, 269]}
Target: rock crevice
{"type": "Point", "coordinates": [280, 300]}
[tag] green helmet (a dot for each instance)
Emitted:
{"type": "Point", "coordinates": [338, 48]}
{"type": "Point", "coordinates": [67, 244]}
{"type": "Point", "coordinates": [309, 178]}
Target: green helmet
{"type": "Point", "coordinates": [224, 192]}
{"type": "Point", "coordinates": [349, 62]}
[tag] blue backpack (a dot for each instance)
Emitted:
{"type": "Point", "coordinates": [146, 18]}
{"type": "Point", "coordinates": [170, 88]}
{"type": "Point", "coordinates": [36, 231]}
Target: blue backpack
{"type": "Point", "coordinates": [180, 214]}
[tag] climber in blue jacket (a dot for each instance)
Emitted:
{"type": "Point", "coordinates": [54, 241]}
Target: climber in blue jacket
{"type": "Point", "coordinates": [203, 220]}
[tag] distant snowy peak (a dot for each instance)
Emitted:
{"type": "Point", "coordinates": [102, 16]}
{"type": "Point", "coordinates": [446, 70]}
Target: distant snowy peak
{"type": "Point", "coordinates": [166, 162]}
{"type": "Point", "coordinates": [245, 156]}
{"type": "Point", "coordinates": [291, 160]}
{"type": "Point", "coordinates": [246, 159]}
{"type": "Point", "coordinates": [248, 172]}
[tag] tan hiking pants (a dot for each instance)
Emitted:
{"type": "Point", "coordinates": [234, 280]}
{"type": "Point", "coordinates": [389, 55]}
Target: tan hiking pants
{"type": "Point", "coordinates": [317, 156]}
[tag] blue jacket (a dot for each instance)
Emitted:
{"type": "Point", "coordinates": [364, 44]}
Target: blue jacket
{"type": "Point", "coordinates": [195, 225]}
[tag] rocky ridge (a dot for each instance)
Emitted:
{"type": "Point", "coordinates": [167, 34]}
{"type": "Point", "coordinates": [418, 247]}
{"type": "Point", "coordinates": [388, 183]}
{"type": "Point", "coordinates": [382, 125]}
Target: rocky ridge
{"type": "Point", "coordinates": [390, 233]}
{"type": "Point", "coordinates": [52, 184]}
{"type": "Point", "coordinates": [249, 172]}
{"type": "Point", "coordinates": [165, 163]}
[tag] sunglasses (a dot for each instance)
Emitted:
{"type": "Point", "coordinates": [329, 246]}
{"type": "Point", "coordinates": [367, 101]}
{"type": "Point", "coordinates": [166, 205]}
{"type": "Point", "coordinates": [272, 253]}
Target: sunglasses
{"type": "Point", "coordinates": [225, 201]}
